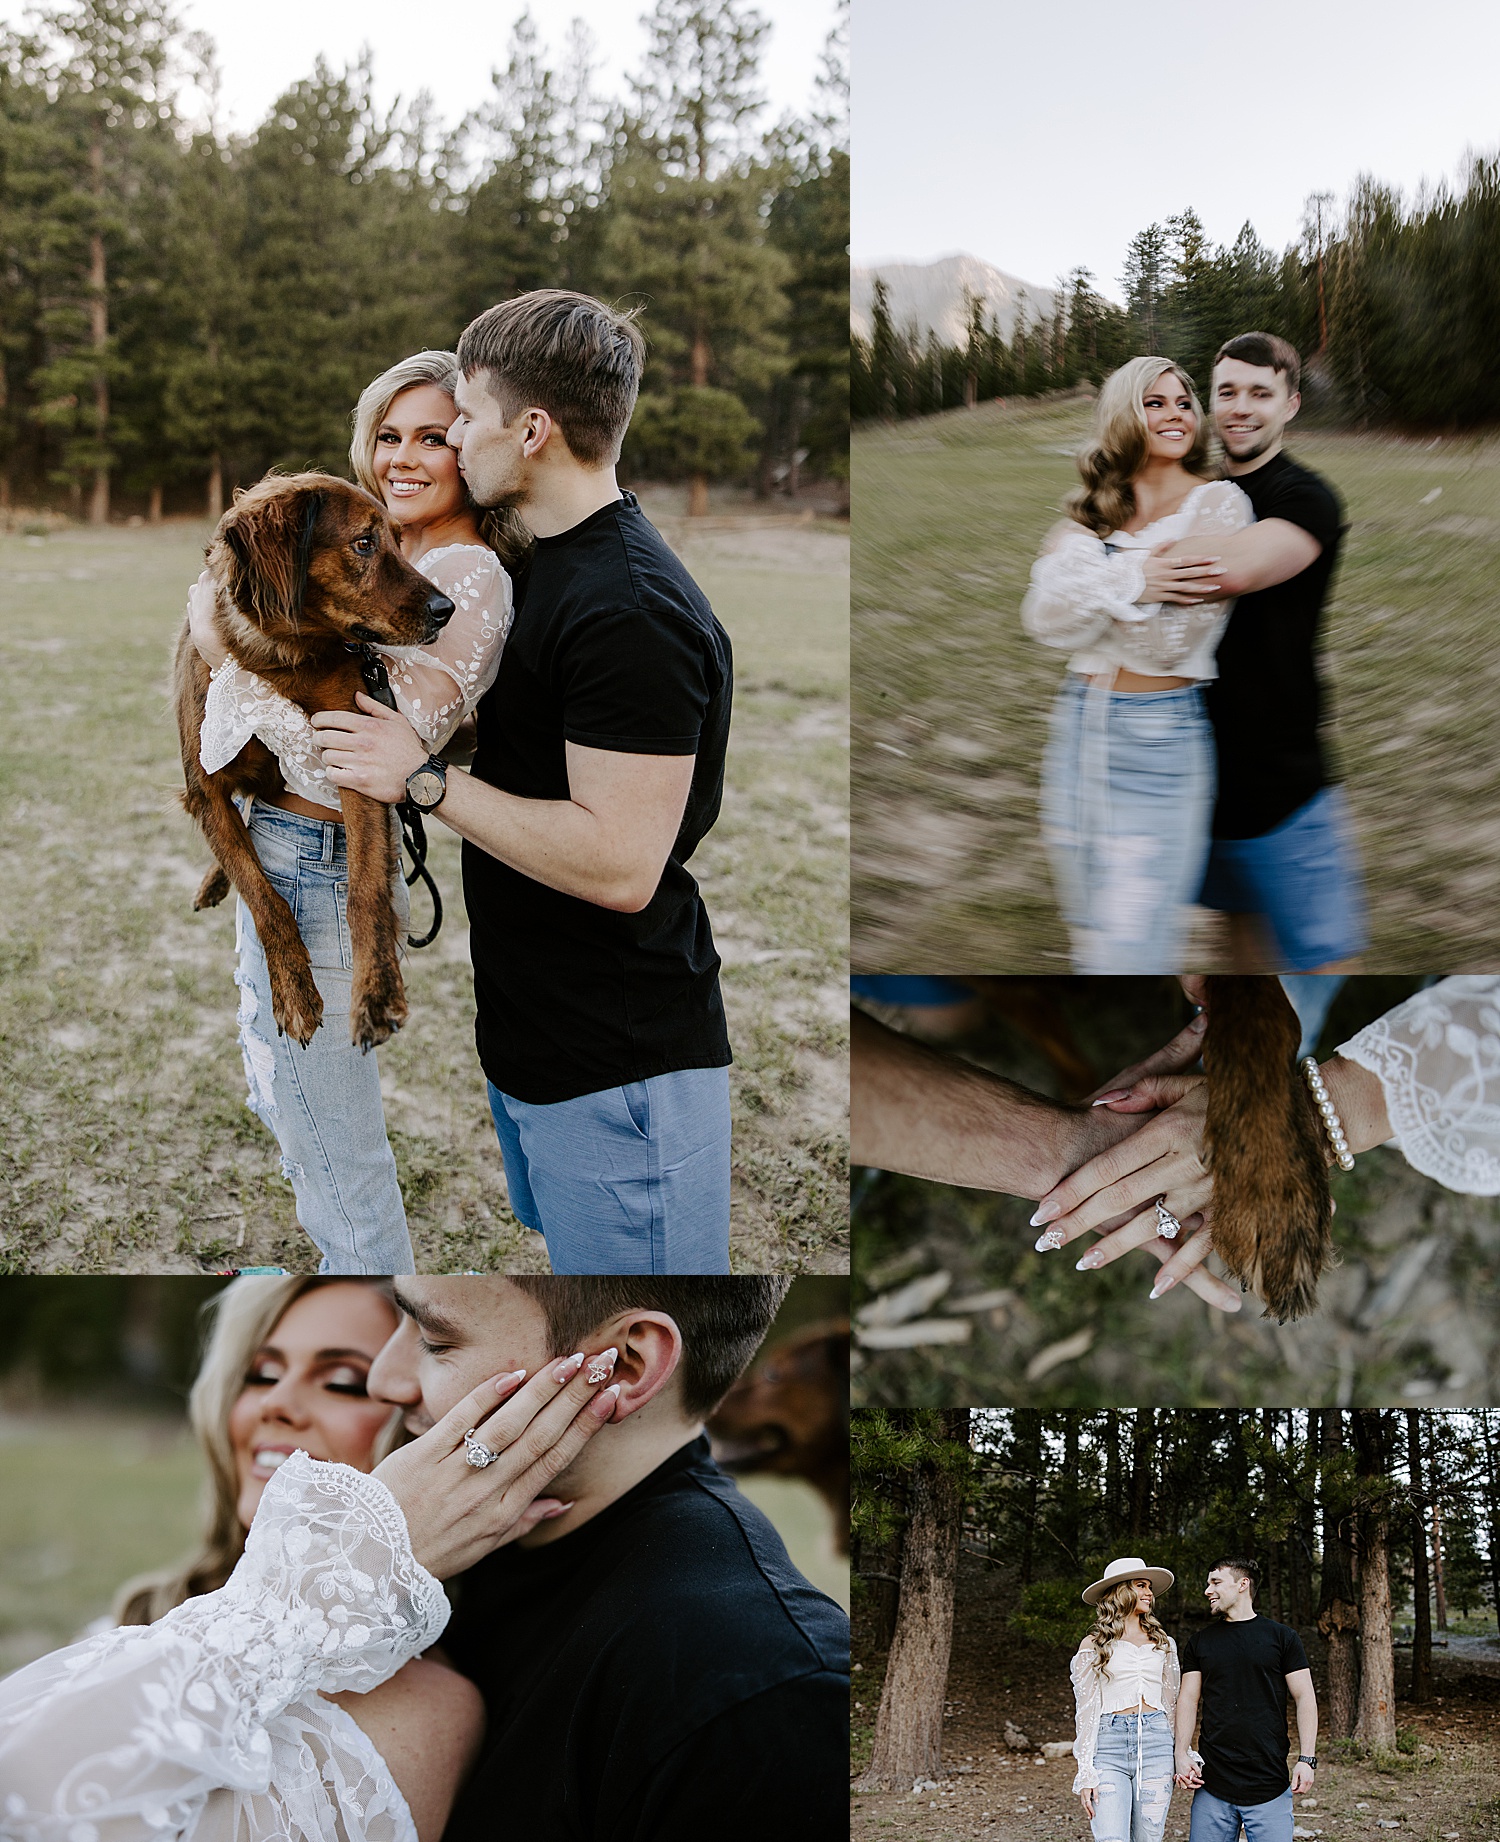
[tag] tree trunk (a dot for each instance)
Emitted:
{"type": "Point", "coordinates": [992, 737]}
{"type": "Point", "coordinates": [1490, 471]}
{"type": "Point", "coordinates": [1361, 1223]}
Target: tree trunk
{"type": "Point", "coordinates": [701, 358]}
{"type": "Point", "coordinates": [1376, 1723]}
{"type": "Point", "coordinates": [1338, 1613]}
{"type": "Point", "coordinates": [1028, 1425]}
{"type": "Point", "coordinates": [1142, 1453]}
{"type": "Point", "coordinates": [215, 488]}
{"type": "Point", "coordinates": [99, 336]}
{"type": "Point", "coordinates": [909, 1727]}
{"type": "Point", "coordinates": [1439, 1592]}
{"type": "Point", "coordinates": [1421, 1641]}
{"type": "Point", "coordinates": [153, 515]}
{"type": "Point", "coordinates": [1492, 1469]}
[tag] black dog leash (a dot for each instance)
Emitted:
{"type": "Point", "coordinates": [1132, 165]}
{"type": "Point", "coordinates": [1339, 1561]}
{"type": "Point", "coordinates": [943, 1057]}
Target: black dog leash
{"type": "Point", "coordinates": [413, 832]}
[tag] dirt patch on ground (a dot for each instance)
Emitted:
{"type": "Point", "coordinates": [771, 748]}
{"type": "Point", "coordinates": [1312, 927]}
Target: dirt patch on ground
{"type": "Point", "coordinates": [1448, 1787]}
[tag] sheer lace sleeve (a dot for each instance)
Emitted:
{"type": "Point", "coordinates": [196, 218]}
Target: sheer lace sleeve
{"type": "Point", "coordinates": [240, 704]}
{"type": "Point", "coordinates": [1088, 1698]}
{"type": "Point", "coordinates": [438, 685]}
{"type": "Point", "coordinates": [1438, 1059]}
{"type": "Point", "coordinates": [1165, 633]}
{"type": "Point", "coordinates": [1171, 1679]}
{"type": "Point", "coordinates": [1078, 590]}
{"type": "Point", "coordinates": [128, 1735]}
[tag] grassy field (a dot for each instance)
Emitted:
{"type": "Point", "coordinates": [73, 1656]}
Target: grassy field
{"type": "Point", "coordinates": [125, 1141]}
{"type": "Point", "coordinates": [65, 1477]}
{"type": "Point", "coordinates": [1409, 1314]}
{"type": "Point", "coordinates": [951, 698]}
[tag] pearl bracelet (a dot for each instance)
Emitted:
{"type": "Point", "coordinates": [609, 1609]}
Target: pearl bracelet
{"type": "Point", "coordinates": [1328, 1112]}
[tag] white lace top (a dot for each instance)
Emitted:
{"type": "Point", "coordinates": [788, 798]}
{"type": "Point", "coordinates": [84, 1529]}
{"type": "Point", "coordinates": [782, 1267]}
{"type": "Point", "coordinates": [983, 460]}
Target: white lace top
{"type": "Point", "coordinates": [1129, 1681]}
{"type": "Point", "coordinates": [435, 686]}
{"type": "Point", "coordinates": [1438, 1060]}
{"type": "Point", "coordinates": [211, 1723]}
{"type": "Point", "coordinates": [1084, 588]}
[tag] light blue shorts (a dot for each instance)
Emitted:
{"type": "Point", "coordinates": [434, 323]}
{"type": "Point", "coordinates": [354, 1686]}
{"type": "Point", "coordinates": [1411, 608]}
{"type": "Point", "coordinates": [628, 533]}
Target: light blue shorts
{"type": "Point", "coordinates": [633, 1179]}
{"type": "Point", "coordinates": [1303, 876]}
{"type": "Point", "coordinates": [1213, 1820]}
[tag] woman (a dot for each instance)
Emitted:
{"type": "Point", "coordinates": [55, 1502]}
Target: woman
{"type": "Point", "coordinates": [1125, 1682]}
{"type": "Point", "coordinates": [1128, 776]}
{"type": "Point", "coordinates": [1425, 1075]}
{"type": "Point", "coordinates": [323, 1102]}
{"type": "Point", "coordinates": [281, 1689]}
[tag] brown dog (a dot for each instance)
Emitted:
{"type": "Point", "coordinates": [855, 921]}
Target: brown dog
{"type": "Point", "coordinates": [1272, 1210]}
{"type": "Point", "coordinates": [306, 567]}
{"type": "Point", "coordinates": [790, 1416]}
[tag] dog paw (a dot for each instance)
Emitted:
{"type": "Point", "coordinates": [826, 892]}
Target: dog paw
{"type": "Point", "coordinates": [296, 1003]}
{"type": "Point", "coordinates": [213, 889]}
{"type": "Point", "coordinates": [376, 1013]}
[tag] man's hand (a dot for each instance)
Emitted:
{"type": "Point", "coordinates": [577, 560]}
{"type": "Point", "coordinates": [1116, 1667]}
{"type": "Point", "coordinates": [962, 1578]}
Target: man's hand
{"type": "Point", "coordinates": [371, 753]}
{"type": "Point", "coordinates": [1185, 579]}
{"type": "Point", "coordinates": [1302, 1778]}
{"type": "Point", "coordinates": [1186, 1773]}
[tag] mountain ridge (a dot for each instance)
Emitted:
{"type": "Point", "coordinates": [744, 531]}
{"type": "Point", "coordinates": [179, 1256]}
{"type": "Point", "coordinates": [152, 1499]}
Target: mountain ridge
{"type": "Point", "coordinates": [933, 296]}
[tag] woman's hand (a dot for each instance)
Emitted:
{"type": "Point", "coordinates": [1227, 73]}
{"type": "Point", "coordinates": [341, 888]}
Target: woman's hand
{"type": "Point", "coordinates": [200, 611]}
{"type": "Point", "coordinates": [456, 1513]}
{"type": "Point", "coordinates": [1089, 1798]}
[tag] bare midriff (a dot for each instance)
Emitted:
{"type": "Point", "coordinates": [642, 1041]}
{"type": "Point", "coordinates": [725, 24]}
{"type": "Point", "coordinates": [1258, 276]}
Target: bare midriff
{"type": "Point", "coordinates": [294, 802]}
{"type": "Point", "coordinates": [1139, 681]}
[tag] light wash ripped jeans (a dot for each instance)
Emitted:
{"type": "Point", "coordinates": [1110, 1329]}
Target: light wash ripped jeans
{"type": "Point", "coordinates": [1133, 1756]}
{"type": "Point", "coordinates": [322, 1102]}
{"type": "Point", "coordinates": [1127, 799]}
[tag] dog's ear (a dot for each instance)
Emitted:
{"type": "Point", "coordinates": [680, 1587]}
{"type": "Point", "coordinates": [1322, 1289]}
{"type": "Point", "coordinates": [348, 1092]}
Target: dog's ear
{"type": "Point", "coordinates": [268, 536]}
{"type": "Point", "coordinates": [1272, 1210]}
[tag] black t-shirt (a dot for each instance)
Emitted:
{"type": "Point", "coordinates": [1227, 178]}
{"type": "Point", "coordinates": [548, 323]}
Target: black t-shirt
{"type": "Point", "coordinates": [614, 646]}
{"type": "Point", "coordinates": [1266, 703]}
{"type": "Point", "coordinates": [662, 1674]}
{"type": "Point", "coordinates": [1242, 1707]}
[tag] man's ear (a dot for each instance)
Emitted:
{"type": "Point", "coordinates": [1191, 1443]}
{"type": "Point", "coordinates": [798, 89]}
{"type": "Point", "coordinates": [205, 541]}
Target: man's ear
{"type": "Point", "coordinates": [1293, 404]}
{"type": "Point", "coordinates": [650, 1346]}
{"type": "Point", "coordinates": [539, 432]}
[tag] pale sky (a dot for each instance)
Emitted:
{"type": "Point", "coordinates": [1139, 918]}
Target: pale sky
{"type": "Point", "coordinates": [1038, 138]}
{"type": "Point", "coordinates": [450, 46]}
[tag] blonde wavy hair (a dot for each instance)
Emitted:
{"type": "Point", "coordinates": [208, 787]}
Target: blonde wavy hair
{"type": "Point", "coordinates": [1113, 460]}
{"type": "Point", "coordinates": [1110, 1614]}
{"type": "Point", "coordinates": [242, 1316]}
{"type": "Point", "coordinates": [499, 526]}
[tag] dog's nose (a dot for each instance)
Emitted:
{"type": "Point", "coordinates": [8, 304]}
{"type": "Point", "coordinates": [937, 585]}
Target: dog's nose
{"type": "Point", "coordinates": [439, 611]}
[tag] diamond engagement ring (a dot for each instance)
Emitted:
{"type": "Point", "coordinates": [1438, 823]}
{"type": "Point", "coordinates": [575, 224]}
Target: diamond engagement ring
{"type": "Point", "coordinates": [1167, 1224]}
{"type": "Point", "coordinates": [476, 1453]}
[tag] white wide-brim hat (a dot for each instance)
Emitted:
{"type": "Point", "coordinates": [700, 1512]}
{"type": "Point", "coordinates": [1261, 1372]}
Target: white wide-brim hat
{"type": "Point", "coordinates": [1129, 1567]}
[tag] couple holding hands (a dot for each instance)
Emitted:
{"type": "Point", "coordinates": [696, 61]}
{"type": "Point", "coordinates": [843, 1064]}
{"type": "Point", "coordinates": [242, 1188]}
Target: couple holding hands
{"type": "Point", "coordinates": [1137, 1704]}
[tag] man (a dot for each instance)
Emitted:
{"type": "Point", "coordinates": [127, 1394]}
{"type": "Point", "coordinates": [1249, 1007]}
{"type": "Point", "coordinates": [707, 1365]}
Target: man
{"type": "Point", "coordinates": [653, 1665]}
{"type": "Point", "coordinates": [918, 1110]}
{"type": "Point", "coordinates": [1240, 1670]}
{"type": "Point", "coordinates": [1282, 865]}
{"type": "Point", "coordinates": [598, 771]}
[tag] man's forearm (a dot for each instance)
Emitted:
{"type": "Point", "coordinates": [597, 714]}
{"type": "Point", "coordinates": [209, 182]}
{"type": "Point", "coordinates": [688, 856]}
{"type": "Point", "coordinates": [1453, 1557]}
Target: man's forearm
{"type": "Point", "coordinates": [553, 841]}
{"type": "Point", "coordinates": [1307, 1725]}
{"type": "Point", "coordinates": [916, 1110]}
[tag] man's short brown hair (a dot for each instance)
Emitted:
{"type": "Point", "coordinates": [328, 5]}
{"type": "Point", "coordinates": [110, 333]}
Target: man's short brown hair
{"type": "Point", "coordinates": [1243, 1569]}
{"type": "Point", "coordinates": [723, 1321]}
{"type": "Point", "coordinates": [566, 353]}
{"type": "Point", "coordinates": [1264, 349]}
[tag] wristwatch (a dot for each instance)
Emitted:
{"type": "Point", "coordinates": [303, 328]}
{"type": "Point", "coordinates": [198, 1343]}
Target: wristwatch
{"type": "Point", "coordinates": [426, 787]}
{"type": "Point", "coordinates": [1308, 1758]}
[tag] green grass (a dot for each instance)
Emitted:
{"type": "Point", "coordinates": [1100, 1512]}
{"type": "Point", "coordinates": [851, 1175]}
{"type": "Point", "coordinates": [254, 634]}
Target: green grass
{"type": "Point", "coordinates": [951, 698]}
{"type": "Point", "coordinates": [125, 1141]}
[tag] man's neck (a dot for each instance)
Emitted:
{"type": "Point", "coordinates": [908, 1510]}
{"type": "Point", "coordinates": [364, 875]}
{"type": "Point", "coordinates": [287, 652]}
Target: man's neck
{"type": "Point", "coordinates": [562, 497]}
{"type": "Point", "coordinates": [612, 1464]}
{"type": "Point", "coordinates": [1235, 469]}
{"type": "Point", "coordinates": [1239, 1615]}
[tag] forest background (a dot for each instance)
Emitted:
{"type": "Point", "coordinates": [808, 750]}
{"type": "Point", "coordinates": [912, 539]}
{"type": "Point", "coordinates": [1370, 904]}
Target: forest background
{"type": "Point", "coordinates": [182, 307]}
{"type": "Point", "coordinates": [1394, 305]}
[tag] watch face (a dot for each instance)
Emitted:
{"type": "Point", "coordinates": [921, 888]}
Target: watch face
{"type": "Point", "coordinates": [426, 787]}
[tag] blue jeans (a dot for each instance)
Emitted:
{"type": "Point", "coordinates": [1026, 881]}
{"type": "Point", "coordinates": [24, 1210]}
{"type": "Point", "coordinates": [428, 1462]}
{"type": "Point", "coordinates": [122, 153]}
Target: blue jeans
{"type": "Point", "coordinates": [1133, 1756]}
{"type": "Point", "coordinates": [1127, 795]}
{"type": "Point", "coordinates": [1215, 1821]}
{"type": "Point", "coordinates": [634, 1179]}
{"type": "Point", "coordinates": [1303, 876]}
{"type": "Point", "coordinates": [322, 1102]}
